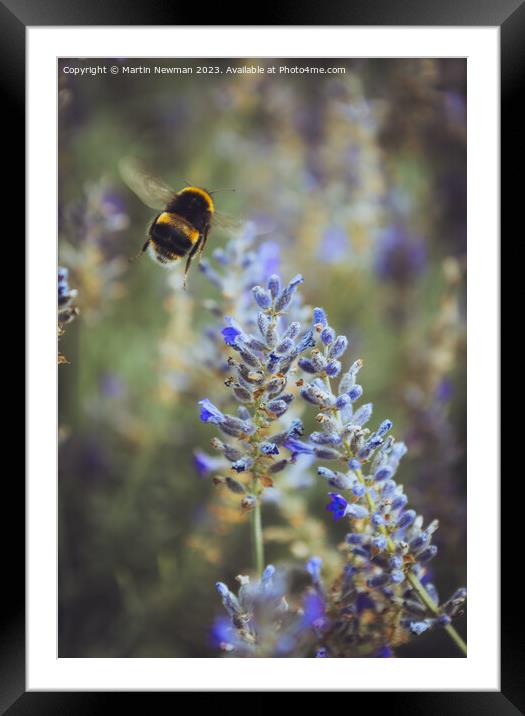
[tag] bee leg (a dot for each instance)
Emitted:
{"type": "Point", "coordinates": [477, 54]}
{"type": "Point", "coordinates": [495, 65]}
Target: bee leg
{"type": "Point", "coordinates": [140, 252]}
{"type": "Point", "coordinates": [192, 253]}
{"type": "Point", "coordinates": [202, 244]}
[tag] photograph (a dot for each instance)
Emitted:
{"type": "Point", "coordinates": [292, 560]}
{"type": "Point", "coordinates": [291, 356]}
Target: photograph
{"type": "Point", "coordinates": [262, 364]}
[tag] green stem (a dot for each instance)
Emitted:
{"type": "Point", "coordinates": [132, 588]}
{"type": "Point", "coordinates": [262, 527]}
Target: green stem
{"type": "Point", "coordinates": [257, 538]}
{"type": "Point", "coordinates": [427, 601]}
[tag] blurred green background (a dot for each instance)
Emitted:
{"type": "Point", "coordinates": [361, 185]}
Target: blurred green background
{"type": "Point", "coordinates": [361, 181]}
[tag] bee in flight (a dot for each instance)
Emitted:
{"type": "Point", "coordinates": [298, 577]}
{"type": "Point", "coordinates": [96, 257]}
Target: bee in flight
{"type": "Point", "coordinates": [182, 227]}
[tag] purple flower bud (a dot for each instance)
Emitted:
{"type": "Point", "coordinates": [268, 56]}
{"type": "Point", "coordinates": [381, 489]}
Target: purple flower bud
{"type": "Point", "coordinates": [229, 600]}
{"type": "Point", "coordinates": [243, 464]}
{"type": "Point", "coordinates": [355, 393]}
{"type": "Point", "coordinates": [358, 489]}
{"type": "Point", "coordinates": [313, 567]}
{"type": "Point", "coordinates": [234, 486]}
{"type": "Point", "coordinates": [269, 448]}
{"type": "Point", "coordinates": [419, 542]}
{"type": "Point", "coordinates": [267, 575]}
{"type": "Point", "coordinates": [333, 368]}
{"type": "Point", "coordinates": [296, 428]}
{"type": "Point", "coordinates": [395, 562]}
{"type": "Point", "coordinates": [326, 473]}
{"type": "Point", "coordinates": [312, 394]}
{"type": "Point", "coordinates": [284, 347]}
{"type": "Point", "coordinates": [242, 394]}
{"type": "Point", "coordinates": [397, 576]}
{"type": "Point", "coordinates": [278, 466]}
{"type": "Point", "coordinates": [428, 554]}
{"type": "Point", "coordinates": [342, 401]}
{"type": "Point", "coordinates": [385, 426]}
{"type": "Point", "coordinates": [327, 438]}
{"type": "Point", "coordinates": [362, 415]}
{"type": "Point", "coordinates": [383, 473]}
{"type": "Point", "coordinates": [293, 330]}
{"type": "Point", "coordinates": [321, 653]}
{"type": "Point", "coordinates": [357, 511]}
{"type": "Point", "coordinates": [356, 538]}
{"type": "Point", "coordinates": [388, 489]}
{"type": "Point", "coordinates": [287, 294]}
{"type": "Point", "coordinates": [262, 297]}
{"type": "Point", "coordinates": [319, 318]}
{"type": "Point", "coordinates": [406, 519]}
{"type": "Point", "coordinates": [338, 347]}
{"type": "Point", "coordinates": [307, 341]}
{"type": "Point", "coordinates": [274, 284]}
{"type": "Point", "coordinates": [263, 322]}
{"type": "Point", "coordinates": [278, 407]}
{"type": "Point", "coordinates": [354, 464]}
{"type": "Point", "coordinates": [379, 542]}
{"type": "Point", "coordinates": [399, 502]}
{"type": "Point", "coordinates": [377, 519]}
{"type": "Point", "coordinates": [378, 580]}
{"type": "Point", "coordinates": [326, 453]}
{"type": "Point", "coordinates": [307, 365]}
{"type": "Point", "coordinates": [327, 335]}
{"type": "Point", "coordinates": [236, 427]}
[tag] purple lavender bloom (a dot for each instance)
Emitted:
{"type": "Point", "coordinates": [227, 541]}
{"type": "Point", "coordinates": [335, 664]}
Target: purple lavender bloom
{"type": "Point", "coordinates": [262, 296]}
{"type": "Point", "coordinates": [288, 293]}
{"type": "Point", "coordinates": [112, 386]}
{"type": "Point", "coordinates": [364, 601]}
{"type": "Point", "coordinates": [406, 519]}
{"type": "Point", "coordinates": [313, 567]}
{"type": "Point", "coordinates": [333, 246]}
{"type": "Point", "coordinates": [268, 258]}
{"type": "Point", "coordinates": [337, 505]}
{"type": "Point", "coordinates": [319, 318]}
{"type": "Point", "coordinates": [314, 610]}
{"type": "Point", "coordinates": [209, 413]}
{"type": "Point", "coordinates": [298, 447]}
{"type": "Point", "coordinates": [204, 463]}
{"type": "Point", "coordinates": [400, 257]}
{"type": "Point", "coordinates": [231, 331]}
{"type": "Point", "coordinates": [268, 448]}
{"type": "Point", "coordinates": [223, 634]}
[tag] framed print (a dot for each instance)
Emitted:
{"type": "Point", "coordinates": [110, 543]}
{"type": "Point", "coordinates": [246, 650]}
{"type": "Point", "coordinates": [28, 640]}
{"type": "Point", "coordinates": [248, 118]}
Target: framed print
{"type": "Point", "coordinates": [258, 437]}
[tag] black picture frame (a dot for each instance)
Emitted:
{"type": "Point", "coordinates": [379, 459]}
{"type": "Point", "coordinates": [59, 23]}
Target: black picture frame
{"type": "Point", "coordinates": [15, 16]}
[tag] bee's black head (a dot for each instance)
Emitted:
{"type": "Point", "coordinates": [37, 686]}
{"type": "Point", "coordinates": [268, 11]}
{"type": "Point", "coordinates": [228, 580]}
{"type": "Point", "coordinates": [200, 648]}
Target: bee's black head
{"type": "Point", "coordinates": [193, 204]}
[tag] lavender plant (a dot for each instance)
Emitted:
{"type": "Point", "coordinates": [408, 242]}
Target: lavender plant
{"type": "Point", "coordinates": [67, 308]}
{"type": "Point", "coordinates": [383, 593]}
{"type": "Point", "coordinates": [388, 547]}
{"type": "Point", "coordinates": [259, 381]}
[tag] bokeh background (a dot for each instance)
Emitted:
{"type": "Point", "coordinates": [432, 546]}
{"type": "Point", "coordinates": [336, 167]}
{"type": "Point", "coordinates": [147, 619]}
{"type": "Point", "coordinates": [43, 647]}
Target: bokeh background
{"type": "Point", "coordinates": [357, 181]}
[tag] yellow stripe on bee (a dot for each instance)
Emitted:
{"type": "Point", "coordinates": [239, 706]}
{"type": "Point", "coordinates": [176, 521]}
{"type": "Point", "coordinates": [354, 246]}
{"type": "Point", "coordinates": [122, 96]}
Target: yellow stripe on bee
{"type": "Point", "coordinates": [201, 192]}
{"type": "Point", "coordinates": [177, 222]}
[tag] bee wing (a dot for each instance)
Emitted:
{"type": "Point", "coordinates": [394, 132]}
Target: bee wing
{"type": "Point", "coordinates": [151, 191]}
{"type": "Point", "coordinates": [225, 221]}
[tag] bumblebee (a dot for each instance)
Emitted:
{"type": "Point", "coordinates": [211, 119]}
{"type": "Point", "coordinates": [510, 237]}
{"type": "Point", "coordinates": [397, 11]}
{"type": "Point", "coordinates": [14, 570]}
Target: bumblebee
{"type": "Point", "coordinates": [182, 227]}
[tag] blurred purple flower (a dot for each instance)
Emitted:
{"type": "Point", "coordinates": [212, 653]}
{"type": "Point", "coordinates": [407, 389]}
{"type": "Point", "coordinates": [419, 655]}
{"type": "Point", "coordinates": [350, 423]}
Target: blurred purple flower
{"type": "Point", "coordinates": [400, 257]}
{"type": "Point", "coordinates": [334, 245]}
